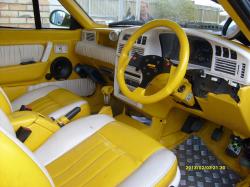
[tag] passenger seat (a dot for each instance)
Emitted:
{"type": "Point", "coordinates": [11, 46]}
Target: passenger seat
{"type": "Point", "coordinates": [51, 101]}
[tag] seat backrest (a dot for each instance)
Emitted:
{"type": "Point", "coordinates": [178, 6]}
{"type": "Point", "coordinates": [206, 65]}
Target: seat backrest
{"type": "Point", "coordinates": [5, 104]}
{"type": "Point", "coordinates": [18, 166]}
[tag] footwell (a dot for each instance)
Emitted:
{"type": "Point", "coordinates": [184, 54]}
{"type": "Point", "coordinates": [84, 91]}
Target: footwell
{"type": "Point", "coordinates": [200, 168]}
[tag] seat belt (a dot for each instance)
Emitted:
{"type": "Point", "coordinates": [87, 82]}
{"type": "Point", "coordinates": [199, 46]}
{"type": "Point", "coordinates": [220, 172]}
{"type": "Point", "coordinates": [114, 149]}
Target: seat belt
{"type": "Point", "coordinates": [63, 120]}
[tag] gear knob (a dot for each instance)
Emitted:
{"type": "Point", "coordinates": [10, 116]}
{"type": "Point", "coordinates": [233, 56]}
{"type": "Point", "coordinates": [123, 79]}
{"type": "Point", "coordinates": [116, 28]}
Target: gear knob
{"type": "Point", "coordinates": [107, 91]}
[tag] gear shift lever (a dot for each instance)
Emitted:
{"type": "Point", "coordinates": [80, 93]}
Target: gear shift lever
{"type": "Point", "coordinates": [106, 109]}
{"type": "Point", "coordinates": [107, 91]}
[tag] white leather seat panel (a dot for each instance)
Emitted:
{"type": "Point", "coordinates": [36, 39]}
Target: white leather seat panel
{"type": "Point", "coordinates": [29, 153]}
{"type": "Point", "coordinates": [15, 54]}
{"type": "Point", "coordinates": [148, 174]}
{"type": "Point", "coordinates": [82, 87]}
{"type": "Point", "coordinates": [31, 96]}
{"type": "Point", "coordinates": [64, 110]}
{"type": "Point", "coordinates": [69, 136]}
{"type": "Point", "coordinates": [152, 170]}
{"type": "Point", "coordinates": [5, 124]}
{"type": "Point", "coordinates": [176, 180]}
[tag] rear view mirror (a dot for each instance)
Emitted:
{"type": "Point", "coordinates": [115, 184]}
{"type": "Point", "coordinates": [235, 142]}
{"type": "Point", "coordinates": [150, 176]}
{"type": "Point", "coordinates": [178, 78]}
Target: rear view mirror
{"type": "Point", "coordinates": [60, 18]}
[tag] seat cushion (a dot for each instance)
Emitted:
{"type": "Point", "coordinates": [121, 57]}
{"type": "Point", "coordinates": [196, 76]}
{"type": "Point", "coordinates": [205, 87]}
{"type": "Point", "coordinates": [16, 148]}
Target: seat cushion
{"type": "Point", "coordinates": [110, 156]}
{"type": "Point", "coordinates": [70, 136]}
{"type": "Point", "coordinates": [52, 101]}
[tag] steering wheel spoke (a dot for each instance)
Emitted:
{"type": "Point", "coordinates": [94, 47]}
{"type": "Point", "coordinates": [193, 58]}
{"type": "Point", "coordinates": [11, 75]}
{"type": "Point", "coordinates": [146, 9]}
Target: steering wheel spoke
{"type": "Point", "coordinates": [172, 73]}
{"type": "Point", "coordinates": [139, 91]}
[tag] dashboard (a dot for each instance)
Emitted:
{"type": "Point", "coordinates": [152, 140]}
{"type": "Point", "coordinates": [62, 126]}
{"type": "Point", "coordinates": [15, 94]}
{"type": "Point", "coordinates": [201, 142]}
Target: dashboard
{"type": "Point", "coordinates": [218, 61]}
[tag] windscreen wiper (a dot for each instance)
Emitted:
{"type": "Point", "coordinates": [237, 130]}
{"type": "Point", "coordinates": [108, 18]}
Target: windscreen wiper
{"type": "Point", "coordinates": [125, 23]}
{"type": "Point", "coordinates": [201, 25]}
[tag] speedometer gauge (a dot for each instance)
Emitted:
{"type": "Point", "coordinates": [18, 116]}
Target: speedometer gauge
{"type": "Point", "coordinates": [201, 51]}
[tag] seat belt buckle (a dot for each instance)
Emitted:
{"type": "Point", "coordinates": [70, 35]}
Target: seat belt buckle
{"type": "Point", "coordinates": [23, 133]}
{"type": "Point", "coordinates": [63, 120]}
{"type": "Point", "coordinates": [25, 108]}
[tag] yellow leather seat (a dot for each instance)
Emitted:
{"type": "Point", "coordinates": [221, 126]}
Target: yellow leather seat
{"type": "Point", "coordinates": [51, 101]}
{"type": "Point", "coordinates": [92, 151]}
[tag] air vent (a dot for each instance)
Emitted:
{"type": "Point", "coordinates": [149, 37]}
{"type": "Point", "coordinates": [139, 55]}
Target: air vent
{"type": "Point", "coordinates": [120, 48]}
{"type": "Point", "coordinates": [90, 36]}
{"type": "Point", "coordinates": [243, 70]}
{"type": "Point", "coordinates": [138, 50]}
{"type": "Point", "coordinates": [225, 66]}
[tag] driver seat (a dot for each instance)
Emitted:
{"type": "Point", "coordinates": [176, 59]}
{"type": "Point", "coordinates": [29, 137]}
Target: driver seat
{"type": "Point", "coordinates": [92, 151]}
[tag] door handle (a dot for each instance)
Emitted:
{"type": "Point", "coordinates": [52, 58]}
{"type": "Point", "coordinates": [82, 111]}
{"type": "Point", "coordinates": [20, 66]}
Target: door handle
{"type": "Point", "coordinates": [27, 62]}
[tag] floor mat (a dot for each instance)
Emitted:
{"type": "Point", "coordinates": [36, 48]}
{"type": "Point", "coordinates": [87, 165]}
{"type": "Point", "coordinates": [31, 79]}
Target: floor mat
{"type": "Point", "coordinates": [209, 171]}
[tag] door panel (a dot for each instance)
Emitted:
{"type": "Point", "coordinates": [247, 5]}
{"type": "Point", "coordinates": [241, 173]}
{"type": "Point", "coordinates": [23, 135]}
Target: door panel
{"type": "Point", "coordinates": [22, 73]}
{"type": "Point", "coordinates": [23, 45]}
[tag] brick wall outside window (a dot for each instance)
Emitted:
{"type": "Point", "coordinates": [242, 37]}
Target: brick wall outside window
{"type": "Point", "coordinates": [19, 13]}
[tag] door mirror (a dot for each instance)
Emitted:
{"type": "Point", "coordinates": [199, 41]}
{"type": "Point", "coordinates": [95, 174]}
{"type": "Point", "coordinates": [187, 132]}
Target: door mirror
{"type": "Point", "coordinates": [230, 29]}
{"type": "Point", "coordinates": [60, 18]}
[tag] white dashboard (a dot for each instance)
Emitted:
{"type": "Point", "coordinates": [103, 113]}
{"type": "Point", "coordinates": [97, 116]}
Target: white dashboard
{"type": "Point", "coordinates": [228, 61]}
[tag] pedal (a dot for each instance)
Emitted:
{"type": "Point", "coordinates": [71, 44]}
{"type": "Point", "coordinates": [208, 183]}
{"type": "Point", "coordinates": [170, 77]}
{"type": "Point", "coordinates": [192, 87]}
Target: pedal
{"type": "Point", "coordinates": [234, 147]}
{"type": "Point", "coordinates": [192, 124]}
{"type": "Point", "coordinates": [217, 134]}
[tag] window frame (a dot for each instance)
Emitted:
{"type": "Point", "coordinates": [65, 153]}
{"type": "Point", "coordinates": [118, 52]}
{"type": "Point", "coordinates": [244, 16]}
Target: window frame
{"type": "Point", "coordinates": [73, 22]}
{"type": "Point", "coordinates": [37, 16]}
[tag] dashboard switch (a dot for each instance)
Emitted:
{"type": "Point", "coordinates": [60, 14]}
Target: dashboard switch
{"type": "Point", "coordinates": [215, 79]}
{"type": "Point", "coordinates": [218, 50]}
{"type": "Point", "coordinates": [233, 54]}
{"type": "Point", "coordinates": [144, 40]}
{"type": "Point", "coordinates": [225, 52]}
{"type": "Point", "coordinates": [139, 40]}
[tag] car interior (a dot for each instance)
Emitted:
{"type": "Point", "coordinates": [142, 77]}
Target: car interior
{"type": "Point", "coordinates": [158, 103]}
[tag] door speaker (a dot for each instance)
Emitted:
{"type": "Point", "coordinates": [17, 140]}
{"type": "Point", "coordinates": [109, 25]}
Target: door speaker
{"type": "Point", "coordinates": [61, 68]}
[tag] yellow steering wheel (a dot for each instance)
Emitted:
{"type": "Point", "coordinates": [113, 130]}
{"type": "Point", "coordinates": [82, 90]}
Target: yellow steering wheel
{"type": "Point", "coordinates": [176, 73]}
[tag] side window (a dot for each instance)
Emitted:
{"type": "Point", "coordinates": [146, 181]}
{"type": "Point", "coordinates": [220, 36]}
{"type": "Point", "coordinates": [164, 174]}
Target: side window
{"type": "Point", "coordinates": [53, 14]}
{"type": "Point", "coordinates": [16, 14]}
